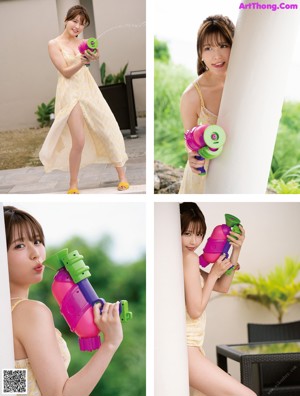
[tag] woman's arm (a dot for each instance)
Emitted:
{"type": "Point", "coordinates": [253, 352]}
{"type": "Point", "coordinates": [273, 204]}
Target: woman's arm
{"type": "Point", "coordinates": [196, 297]}
{"type": "Point", "coordinates": [60, 63]}
{"type": "Point", "coordinates": [36, 333]}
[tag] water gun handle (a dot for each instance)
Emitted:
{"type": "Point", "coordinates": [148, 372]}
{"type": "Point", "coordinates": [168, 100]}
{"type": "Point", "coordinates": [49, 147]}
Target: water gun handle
{"type": "Point", "coordinates": [227, 247]}
{"type": "Point", "coordinates": [201, 170]}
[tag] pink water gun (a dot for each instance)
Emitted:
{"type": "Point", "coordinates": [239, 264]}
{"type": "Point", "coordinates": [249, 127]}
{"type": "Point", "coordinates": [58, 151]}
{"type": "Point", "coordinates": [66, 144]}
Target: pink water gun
{"type": "Point", "coordinates": [218, 244]}
{"type": "Point", "coordinates": [207, 140]}
{"type": "Point", "coordinates": [88, 45]}
{"type": "Point", "coordinates": [76, 297]}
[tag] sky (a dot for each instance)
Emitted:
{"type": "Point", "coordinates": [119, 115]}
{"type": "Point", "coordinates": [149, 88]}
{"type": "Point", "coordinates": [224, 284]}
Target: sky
{"type": "Point", "coordinates": [178, 23]}
{"type": "Point", "coordinates": [124, 222]}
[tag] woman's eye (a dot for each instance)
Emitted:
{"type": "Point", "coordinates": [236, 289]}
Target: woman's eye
{"type": "Point", "coordinates": [19, 246]}
{"type": "Point", "coordinates": [37, 242]}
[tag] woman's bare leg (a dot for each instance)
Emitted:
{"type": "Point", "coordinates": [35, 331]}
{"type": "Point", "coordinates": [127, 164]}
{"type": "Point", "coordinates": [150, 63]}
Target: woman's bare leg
{"type": "Point", "coordinates": [121, 176]}
{"type": "Point", "coordinates": [210, 379]}
{"type": "Point", "coordinates": [76, 126]}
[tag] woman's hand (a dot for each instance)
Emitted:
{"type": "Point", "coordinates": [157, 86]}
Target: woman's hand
{"type": "Point", "coordinates": [220, 266]}
{"type": "Point", "coordinates": [109, 323]}
{"type": "Point", "coordinates": [91, 55]}
{"type": "Point", "coordinates": [194, 162]}
{"type": "Point", "coordinates": [237, 240]}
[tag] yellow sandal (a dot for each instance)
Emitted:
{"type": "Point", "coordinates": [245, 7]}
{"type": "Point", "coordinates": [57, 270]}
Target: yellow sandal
{"type": "Point", "coordinates": [73, 191]}
{"type": "Point", "coordinates": [122, 186]}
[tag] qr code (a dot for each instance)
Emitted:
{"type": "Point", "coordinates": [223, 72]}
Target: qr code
{"type": "Point", "coordinates": [14, 381]}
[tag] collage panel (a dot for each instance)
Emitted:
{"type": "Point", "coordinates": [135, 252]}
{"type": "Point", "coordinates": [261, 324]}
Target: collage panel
{"type": "Point", "coordinates": [73, 97]}
{"type": "Point", "coordinates": [73, 279]}
{"type": "Point", "coordinates": [225, 104]}
{"type": "Point", "coordinates": [226, 292]}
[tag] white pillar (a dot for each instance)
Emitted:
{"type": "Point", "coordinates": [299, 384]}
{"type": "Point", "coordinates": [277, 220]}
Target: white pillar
{"type": "Point", "coordinates": [252, 98]}
{"type": "Point", "coordinates": [6, 334]}
{"type": "Point", "coordinates": [170, 350]}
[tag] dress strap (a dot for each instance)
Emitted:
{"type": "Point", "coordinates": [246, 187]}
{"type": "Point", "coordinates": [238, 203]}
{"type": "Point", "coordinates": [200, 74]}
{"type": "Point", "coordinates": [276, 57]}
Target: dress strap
{"type": "Point", "coordinates": [17, 303]}
{"type": "Point", "coordinates": [196, 85]}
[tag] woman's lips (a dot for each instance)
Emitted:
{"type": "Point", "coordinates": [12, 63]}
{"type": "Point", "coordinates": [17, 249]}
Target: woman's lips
{"type": "Point", "coordinates": [218, 65]}
{"type": "Point", "coordinates": [191, 248]}
{"type": "Point", "coordinates": [39, 268]}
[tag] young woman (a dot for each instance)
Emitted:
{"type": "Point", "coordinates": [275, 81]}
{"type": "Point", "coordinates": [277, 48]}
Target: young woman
{"type": "Point", "coordinates": [38, 345]}
{"type": "Point", "coordinates": [204, 376]}
{"type": "Point", "coordinates": [85, 130]}
{"type": "Point", "coordinates": [200, 101]}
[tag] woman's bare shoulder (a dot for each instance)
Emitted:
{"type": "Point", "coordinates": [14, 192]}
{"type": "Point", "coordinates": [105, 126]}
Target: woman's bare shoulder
{"type": "Point", "coordinates": [190, 258]}
{"type": "Point", "coordinates": [31, 308]}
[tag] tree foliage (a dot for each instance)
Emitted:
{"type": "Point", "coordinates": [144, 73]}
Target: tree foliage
{"type": "Point", "coordinates": [126, 374]}
{"type": "Point", "coordinates": [161, 51]}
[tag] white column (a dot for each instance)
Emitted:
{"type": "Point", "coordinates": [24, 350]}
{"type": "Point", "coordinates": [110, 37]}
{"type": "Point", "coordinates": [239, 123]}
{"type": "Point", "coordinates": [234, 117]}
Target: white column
{"type": "Point", "coordinates": [252, 98]}
{"type": "Point", "coordinates": [6, 334]}
{"type": "Point", "coordinates": [170, 350]}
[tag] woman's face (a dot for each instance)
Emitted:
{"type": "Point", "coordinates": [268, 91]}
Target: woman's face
{"type": "Point", "coordinates": [216, 53]}
{"type": "Point", "coordinates": [191, 239]}
{"type": "Point", "coordinates": [25, 257]}
{"type": "Point", "coordinates": [75, 26]}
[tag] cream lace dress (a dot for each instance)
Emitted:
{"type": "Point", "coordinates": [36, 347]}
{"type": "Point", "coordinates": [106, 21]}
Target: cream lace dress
{"type": "Point", "coordinates": [195, 332]}
{"type": "Point", "coordinates": [191, 182]}
{"type": "Point", "coordinates": [32, 386]}
{"type": "Point", "coordinates": [104, 142]}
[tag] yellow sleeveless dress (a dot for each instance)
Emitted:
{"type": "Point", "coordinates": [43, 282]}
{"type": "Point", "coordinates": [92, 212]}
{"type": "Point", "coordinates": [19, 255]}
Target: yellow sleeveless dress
{"type": "Point", "coordinates": [104, 142]}
{"type": "Point", "coordinates": [195, 332]}
{"type": "Point", "coordinates": [191, 182]}
{"type": "Point", "coordinates": [32, 386]}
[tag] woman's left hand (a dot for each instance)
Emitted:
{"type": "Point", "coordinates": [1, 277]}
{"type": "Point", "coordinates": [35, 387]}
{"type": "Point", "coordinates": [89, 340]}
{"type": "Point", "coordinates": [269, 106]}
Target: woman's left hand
{"type": "Point", "coordinates": [91, 55]}
{"type": "Point", "coordinates": [237, 240]}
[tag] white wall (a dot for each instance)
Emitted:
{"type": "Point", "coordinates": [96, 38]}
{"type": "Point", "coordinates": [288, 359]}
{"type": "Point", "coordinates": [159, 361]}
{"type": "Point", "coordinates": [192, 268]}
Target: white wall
{"type": "Point", "coordinates": [272, 233]}
{"type": "Point", "coordinates": [27, 77]}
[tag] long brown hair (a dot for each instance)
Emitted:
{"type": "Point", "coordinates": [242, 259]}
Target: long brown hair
{"type": "Point", "coordinates": [78, 10]}
{"type": "Point", "coordinates": [218, 26]}
{"type": "Point", "coordinates": [23, 222]}
{"type": "Point", "coordinates": [191, 215]}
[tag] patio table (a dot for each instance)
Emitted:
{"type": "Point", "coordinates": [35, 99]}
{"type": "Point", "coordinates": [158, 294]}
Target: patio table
{"type": "Point", "coordinates": [251, 354]}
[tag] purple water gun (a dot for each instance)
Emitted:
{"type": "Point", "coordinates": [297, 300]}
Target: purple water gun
{"type": "Point", "coordinates": [207, 140]}
{"type": "Point", "coordinates": [218, 244]}
{"type": "Point", "coordinates": [76, 297]}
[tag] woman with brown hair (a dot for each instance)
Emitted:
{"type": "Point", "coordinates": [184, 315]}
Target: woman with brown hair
{"type": "Point", "coordinates": [38, 345]}
{"type": "Point", "coordinates": [200, 101]}
{"type": "Point", "coordinates": [85, 130]}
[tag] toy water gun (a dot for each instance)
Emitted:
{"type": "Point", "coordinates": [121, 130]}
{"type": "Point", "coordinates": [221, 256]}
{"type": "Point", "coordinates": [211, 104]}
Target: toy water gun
{"type": "Point", "coordinates": [76, 297]}
{"type": "Point", "coordinates": [207, 140]}
{"type": "Point", "coordinates": [218, 244]}
{"type": "Point", "coordinates": [91, 44]}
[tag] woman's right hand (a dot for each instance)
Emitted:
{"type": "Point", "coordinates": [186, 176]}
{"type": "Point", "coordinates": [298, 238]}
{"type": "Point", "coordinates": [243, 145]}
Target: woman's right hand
{"type": "Point", "coordinates": [109, 323]}
{"type": "Point", "coordinates": [220, 266]}
{"type": "Point", "coordinates": [84, 60]}
{"type": "Point", "coordinates": [194, 162]}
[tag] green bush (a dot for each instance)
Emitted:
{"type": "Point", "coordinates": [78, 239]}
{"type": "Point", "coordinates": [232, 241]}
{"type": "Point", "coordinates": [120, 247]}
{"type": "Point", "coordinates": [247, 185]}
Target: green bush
{"type": "Point", "coordinates": [43, 113]}
{"type": "Point", "coordinates": [285, 170]}
{"type": "Point", "coordinates": [170, 81]}
{"type": "Point", "coordinates": [112, 78]}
